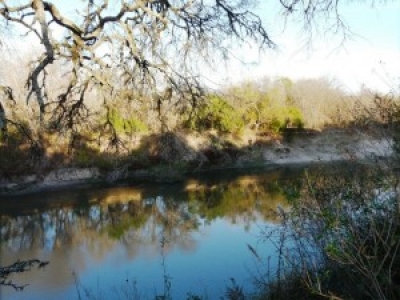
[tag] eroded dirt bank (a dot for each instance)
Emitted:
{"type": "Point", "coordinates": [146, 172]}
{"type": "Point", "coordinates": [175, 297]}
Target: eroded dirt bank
{"type": "Point", "coordinates": [332, 145]}
{"type": "Point", "coordinates": [186, 154]}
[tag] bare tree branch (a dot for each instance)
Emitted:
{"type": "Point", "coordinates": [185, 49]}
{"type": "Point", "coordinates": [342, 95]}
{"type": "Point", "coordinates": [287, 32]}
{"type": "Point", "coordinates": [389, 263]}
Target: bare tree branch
{"type": "Point", "coordinates": [145, 45]}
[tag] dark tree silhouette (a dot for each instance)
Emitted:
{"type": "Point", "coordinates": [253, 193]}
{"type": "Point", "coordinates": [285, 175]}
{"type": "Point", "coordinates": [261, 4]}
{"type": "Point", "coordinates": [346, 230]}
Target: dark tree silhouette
{"type": "Point", "coordinates": [146, 46]}
{"type": "Point", "coordinates": [18, 267]}
{"type": "Point", "coordinates": [149, 45]}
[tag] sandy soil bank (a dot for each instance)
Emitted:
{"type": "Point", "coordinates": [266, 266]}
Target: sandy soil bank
{"type": "Point", "coordinates": [329, 146]}
{"type": "Point", "coordinates": [332, 145]}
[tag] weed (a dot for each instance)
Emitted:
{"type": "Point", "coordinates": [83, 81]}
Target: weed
{"type": "Point", "coordinates": [345, 237]}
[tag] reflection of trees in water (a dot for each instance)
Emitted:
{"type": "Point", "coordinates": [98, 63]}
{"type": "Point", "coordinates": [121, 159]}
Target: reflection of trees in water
{"type": "Point", "coordinates": [50, 229]}
{"type": "Point", "coordinates": [142, 223]}
{"type": "Point", "coordinates": [138, 219]}
{"type": "Point", "coordinates": [244, 200]}
{"type": "Point", "coordinates": [132, 223]}
{"type": "Point", "coordinates": [336, 183]}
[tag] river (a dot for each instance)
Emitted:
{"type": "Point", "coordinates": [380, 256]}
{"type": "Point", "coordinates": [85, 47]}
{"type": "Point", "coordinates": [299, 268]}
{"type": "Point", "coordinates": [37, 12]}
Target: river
{"type": "Point", "coordinates": [145, 240]}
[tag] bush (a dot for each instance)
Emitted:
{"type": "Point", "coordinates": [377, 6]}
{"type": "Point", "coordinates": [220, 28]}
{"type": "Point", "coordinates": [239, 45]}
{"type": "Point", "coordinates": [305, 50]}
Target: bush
{"type": "Point", "coordinates": [344, 235]}
{"type": "Point", "coordinates": [217, 113]}
{"type": "Point", "coordinates": [17, 154]}
{"type": "Point", "coordinates": [283, 117]}
{"type": "Point", "coordinates": [275, 118]}
{"type": "Point", "coordinates": [127, 125]}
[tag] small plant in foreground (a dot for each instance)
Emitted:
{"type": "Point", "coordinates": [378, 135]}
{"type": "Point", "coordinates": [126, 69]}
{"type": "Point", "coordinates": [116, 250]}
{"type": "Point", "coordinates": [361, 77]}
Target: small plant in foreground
{"type": "Point", "coordinates": [342, 238]}
{"type": "Point", "coordinates": [19, 266]}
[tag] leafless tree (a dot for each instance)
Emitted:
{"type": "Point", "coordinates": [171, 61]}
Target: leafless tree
{"type": "Point", "coordinates": [318, 16]}
{"type": "Point", "coordinates": [147, 45]}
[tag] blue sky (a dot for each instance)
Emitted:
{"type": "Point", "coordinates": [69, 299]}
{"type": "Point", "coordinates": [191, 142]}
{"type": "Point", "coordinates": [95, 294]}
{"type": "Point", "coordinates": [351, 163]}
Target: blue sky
{"type": "Point", "coordinates": [370, 57]}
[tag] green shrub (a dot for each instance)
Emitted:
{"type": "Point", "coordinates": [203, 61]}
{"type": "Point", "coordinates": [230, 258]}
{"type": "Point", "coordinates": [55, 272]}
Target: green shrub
{"type": "Point", "coordinates": [282, 117]}
{"type": "Point", "coordinates": [127, 125]}
{"type": "Point", "coordinates": [217, 114]}
{"type": "Point", "coordinates": [274, 118]}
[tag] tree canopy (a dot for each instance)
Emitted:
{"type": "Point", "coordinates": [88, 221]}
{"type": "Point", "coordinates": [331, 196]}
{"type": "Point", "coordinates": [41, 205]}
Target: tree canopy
{"type": "Point", "coordinates": [146, 45]}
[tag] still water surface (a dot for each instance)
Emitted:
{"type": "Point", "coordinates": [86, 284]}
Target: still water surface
{"type": "Point", "coordinates": [191, 237]}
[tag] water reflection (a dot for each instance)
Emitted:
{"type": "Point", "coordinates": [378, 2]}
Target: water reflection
{"type": "Point", "coordinates": [101, 232]}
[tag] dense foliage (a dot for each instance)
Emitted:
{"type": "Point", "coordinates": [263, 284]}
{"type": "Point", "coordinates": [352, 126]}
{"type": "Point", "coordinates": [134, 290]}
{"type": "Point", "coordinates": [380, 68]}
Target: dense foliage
{"type": "Point", "coordinates": [216, 113]}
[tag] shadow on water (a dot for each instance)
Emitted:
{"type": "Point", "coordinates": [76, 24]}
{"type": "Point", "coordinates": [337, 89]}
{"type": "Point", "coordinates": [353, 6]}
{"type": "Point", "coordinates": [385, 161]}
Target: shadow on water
{"type": "Point", "coordinates": [202, 226]}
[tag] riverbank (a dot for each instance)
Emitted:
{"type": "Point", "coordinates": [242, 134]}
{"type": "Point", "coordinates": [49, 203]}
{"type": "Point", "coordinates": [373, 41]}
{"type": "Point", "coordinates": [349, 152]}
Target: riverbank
{"type": "Point", "coordinates": [191, 156]}
{"type": "Point", "coordinates": [108, 219]}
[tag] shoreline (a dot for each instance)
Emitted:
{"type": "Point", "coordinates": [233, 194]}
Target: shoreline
{"type": "Point", "coordinates": [335, 147]}
{"type": "Point", "coordinates": [16, 188]}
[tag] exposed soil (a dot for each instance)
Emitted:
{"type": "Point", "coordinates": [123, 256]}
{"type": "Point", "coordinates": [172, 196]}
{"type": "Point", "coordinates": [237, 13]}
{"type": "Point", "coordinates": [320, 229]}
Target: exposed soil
{"type": "Point", "coordinates": [331, 145]}
{"type": "Point", "coordinates": [175, 155]}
